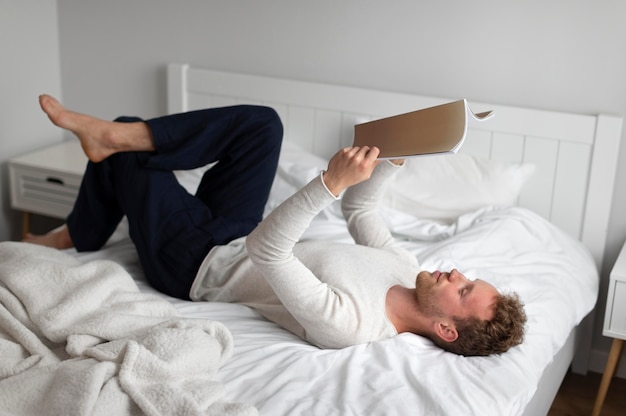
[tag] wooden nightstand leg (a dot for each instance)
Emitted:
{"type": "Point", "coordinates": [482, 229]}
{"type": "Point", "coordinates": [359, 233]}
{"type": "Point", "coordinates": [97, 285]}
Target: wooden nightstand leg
{"type": "Point", "coordinates": [609, 370]}
{"type": "Point", "coordinates": [25, 224]}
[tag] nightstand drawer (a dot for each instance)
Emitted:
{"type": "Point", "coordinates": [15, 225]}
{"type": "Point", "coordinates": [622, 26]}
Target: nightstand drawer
{"type": "Point", "coordinates": [43, 191]}
{"type": "Point", "coordinates": [615, 314]}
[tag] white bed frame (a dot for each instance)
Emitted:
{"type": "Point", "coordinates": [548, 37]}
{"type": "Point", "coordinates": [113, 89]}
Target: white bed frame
{"type": "Point", "coordinates": [575, 157]}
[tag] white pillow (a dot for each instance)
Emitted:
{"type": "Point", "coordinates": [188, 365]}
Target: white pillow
{"type": "Point", "coordinates": [439, 188]}
{"type": "Point", "coordinates": [296, 168]}
{"type": "Point", "coordinates": [443, 187]}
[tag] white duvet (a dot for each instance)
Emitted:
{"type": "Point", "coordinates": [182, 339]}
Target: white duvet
{"type": "Point", "coordinates": [512, 248]}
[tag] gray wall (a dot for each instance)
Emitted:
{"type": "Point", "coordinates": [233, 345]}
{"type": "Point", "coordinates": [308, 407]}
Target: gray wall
{"type": "Point", "coordinates": [29, 42]}
{"type": "Point", "coordinates": [558, 54]}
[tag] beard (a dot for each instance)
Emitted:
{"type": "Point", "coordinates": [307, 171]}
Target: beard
{"type": "Point", "coordinates": [425, 295]}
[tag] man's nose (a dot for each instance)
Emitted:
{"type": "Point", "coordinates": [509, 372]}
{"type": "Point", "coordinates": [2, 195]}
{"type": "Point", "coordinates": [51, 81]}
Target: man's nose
{"type": "Point", "coordinates": [454, 275]}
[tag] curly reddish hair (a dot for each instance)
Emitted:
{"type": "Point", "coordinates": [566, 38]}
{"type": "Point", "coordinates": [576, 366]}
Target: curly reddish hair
{"type": "Point", "coordinates": [477, 337]}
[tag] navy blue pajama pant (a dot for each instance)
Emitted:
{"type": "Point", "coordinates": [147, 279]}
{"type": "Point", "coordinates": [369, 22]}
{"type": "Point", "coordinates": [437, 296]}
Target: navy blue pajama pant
{"type": "Point", "coordinates": [173, 230]}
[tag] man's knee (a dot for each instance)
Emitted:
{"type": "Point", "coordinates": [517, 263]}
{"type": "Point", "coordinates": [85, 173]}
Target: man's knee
{"type": "Point", "coordinates": [271, 129]}
{"type": "Point", "coordinates": [272, 122]}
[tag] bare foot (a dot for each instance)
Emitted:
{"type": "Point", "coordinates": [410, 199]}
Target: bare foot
{"type": "Point", "coordinates": [57, 238]}
{"type": "Point", "coordinates": [98, 138]}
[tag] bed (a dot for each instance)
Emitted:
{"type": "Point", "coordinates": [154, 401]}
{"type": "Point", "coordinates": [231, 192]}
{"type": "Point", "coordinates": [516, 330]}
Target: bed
{"type": "Point", "coordinates": [524, 205]}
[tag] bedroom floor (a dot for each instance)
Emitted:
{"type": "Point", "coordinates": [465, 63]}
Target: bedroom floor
{"type": "Point", "coordinates": [577, 396]}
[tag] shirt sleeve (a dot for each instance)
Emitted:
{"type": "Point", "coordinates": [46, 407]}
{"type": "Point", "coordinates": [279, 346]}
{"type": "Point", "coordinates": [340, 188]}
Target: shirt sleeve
{"type": "Point", "coordinates": [360, 208]}
{"type": "Point", "coordinates": [313, 303]}
{"type": "Point", "coordinates": [274, 238]}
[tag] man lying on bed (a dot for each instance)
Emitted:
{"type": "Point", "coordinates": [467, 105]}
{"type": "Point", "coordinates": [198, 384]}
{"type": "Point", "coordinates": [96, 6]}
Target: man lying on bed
{"type": "Point", "coordinates": [195, 246]}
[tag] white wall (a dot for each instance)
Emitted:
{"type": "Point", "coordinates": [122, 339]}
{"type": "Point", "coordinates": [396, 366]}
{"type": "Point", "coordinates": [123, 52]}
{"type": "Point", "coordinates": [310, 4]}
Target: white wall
{"type": "Point", "coordinates": [30, 66]}
{"type": "Point", "coordinates": [562, 54]}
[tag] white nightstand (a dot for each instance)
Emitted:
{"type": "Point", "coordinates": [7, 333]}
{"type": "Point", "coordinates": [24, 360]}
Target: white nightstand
{"type": "Point", "coordinates": [46, 181]}
{"type": "Point", "coordinates": [614, 324]}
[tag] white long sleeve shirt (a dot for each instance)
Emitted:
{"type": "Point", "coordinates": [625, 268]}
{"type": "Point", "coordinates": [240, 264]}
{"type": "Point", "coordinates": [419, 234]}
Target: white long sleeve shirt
{"type": "Point", "coordinates": [330, 294]}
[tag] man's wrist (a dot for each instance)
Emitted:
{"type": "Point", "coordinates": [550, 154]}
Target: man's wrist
{"type": "Point", "coordinates": [330, 185]}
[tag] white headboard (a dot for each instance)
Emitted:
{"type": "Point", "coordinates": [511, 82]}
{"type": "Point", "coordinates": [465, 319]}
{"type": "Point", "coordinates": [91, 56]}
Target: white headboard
{"type": "Point", "coordinates": [575, 155]}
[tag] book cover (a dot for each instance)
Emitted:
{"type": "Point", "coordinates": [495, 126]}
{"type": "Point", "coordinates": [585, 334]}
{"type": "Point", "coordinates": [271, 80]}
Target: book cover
{"type": "Point", "coordinates": [433, 130]}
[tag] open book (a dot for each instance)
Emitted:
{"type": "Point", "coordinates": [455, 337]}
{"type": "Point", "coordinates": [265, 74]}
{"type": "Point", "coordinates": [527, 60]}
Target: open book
{"type": "Point", "coordinates": [439, 129]}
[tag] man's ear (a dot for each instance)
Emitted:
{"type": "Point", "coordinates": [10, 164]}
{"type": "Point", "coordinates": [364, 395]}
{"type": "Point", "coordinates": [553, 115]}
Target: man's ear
{"type": "Point", "coordinates": [446, 331]}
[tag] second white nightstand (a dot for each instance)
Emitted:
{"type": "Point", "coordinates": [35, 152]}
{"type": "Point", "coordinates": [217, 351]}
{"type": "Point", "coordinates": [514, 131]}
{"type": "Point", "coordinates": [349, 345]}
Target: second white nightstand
{"type": "Point", "coordinates": [614, 324]}
{"type": "Point", "coordinates": [46, 181]}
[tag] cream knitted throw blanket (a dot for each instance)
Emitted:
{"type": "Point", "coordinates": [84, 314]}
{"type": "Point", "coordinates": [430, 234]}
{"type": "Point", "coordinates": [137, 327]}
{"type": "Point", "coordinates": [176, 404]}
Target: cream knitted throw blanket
{"type": "Point", "coordinates": [80, 339]}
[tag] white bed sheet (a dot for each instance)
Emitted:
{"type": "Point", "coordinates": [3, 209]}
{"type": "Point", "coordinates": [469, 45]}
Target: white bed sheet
{"type": "Point", "coordinates": [510, 247]}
